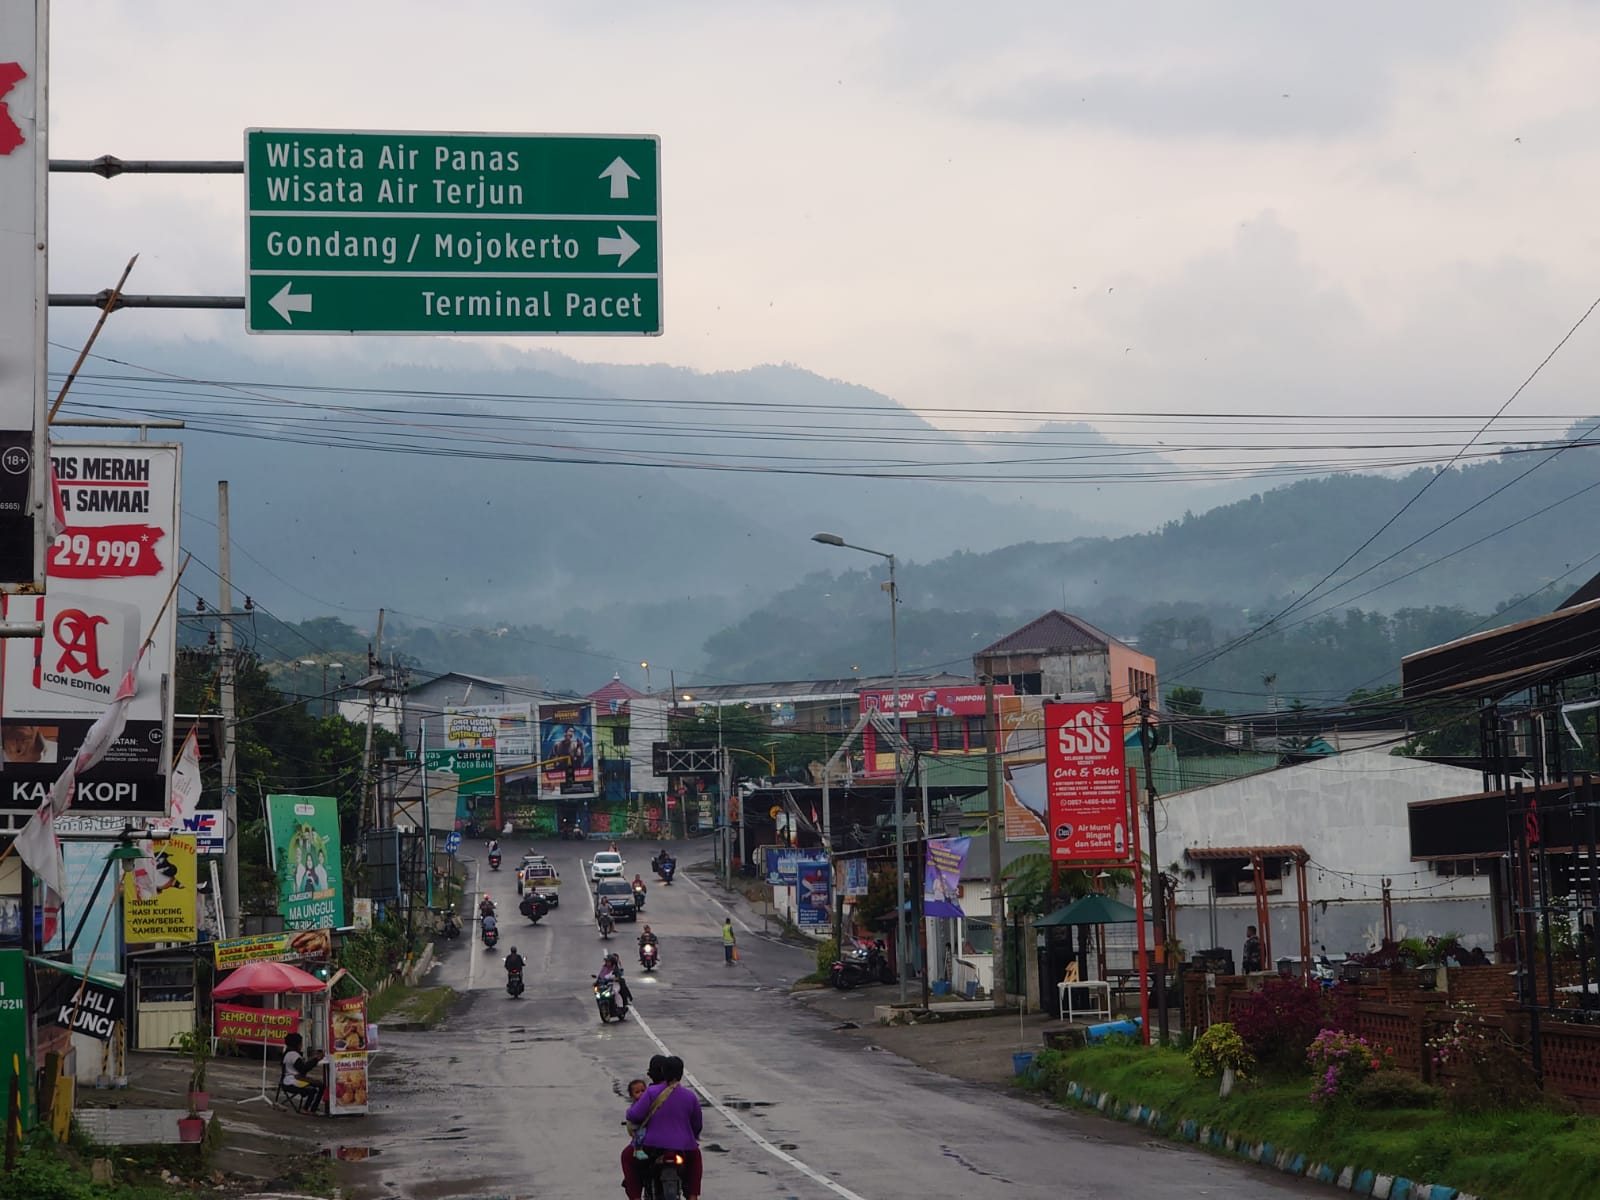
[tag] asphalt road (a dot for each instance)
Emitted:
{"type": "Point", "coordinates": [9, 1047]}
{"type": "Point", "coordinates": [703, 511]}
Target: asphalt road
{"type": "Point", "coordinates": [524, 1097]}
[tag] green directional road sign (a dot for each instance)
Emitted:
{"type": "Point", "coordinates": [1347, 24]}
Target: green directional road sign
{"type": "Point", "coordinates": [452, 233]}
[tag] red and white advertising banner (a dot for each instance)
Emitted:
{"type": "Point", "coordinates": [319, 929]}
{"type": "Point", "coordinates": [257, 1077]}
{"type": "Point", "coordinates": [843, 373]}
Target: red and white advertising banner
{"type": "Point", "coordinates": [108, 573]}
{"type": "Point", "coordinates": [347, 1042]}
{"type": "Point", "coordinates": [964, 701]}
{"type": "Point", "coordinates": [255, 1026]}
{"type": "Point", "coordinates": [1086, 785]}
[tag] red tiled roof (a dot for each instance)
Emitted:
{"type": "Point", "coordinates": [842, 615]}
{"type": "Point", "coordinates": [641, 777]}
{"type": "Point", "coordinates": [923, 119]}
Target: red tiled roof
{"type": "Point", "coordinates": [617, 691]}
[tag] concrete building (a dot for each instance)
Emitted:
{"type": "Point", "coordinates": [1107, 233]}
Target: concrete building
{"type": "Point", "coordinates": [1347, 814]}
{"type": "Point", "coordinates": [427, 702]}
{"type": "Point", "coordinates": [1059, 654]}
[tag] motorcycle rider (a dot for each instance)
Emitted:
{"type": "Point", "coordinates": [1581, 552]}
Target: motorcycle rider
{"type": "Point", "coordinates": [514, 961]}
{"type": "Point", "coordinates": [486, 906]}
{"type": "Point", "coordinates": [611, 969]}
{"type": "Point", "coordinates": [490, 927]}
{"type": "Point", "coordinates": [648, 938]}
{"type": "Point", "coordinates": [494, 845]}
{"type": "Point", "coordinates": [607, 919]}
{"type": "Point", "coordinates": [671, 1116]}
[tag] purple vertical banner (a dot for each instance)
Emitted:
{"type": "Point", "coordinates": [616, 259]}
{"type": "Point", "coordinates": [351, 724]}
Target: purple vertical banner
{"type": "Point", "coordinates": [941, 884]}
{"type": "Point", "coordinates": [813, 893]}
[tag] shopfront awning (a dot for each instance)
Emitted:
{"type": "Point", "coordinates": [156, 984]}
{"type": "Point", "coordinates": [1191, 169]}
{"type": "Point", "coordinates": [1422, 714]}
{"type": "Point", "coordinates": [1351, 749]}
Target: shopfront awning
{"type": "Point", "coordinates": [110, 979]}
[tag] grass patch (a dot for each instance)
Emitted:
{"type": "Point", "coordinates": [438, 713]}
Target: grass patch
{"type": "Point", "coordinates": [399, 1004]}
{"type": "Point", "coordinates": [1526, 1154]}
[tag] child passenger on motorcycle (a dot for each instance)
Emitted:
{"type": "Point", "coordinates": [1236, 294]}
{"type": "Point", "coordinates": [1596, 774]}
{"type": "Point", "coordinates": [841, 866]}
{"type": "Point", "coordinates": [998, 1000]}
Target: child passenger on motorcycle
{"type": "Point", "coordinates": [670, 1114]}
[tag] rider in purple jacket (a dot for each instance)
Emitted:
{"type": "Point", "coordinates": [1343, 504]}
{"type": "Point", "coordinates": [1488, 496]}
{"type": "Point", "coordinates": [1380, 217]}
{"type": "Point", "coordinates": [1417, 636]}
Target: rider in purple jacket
{"type": "Point", "coordinates": [672, 1124]}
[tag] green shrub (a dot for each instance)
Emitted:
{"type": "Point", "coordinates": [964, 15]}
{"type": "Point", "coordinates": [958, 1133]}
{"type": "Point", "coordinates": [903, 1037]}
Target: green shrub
{"type": "Point", "coordinates": [1221, 1047]}
{"type": "Point", "coordinates": [827, 951]}
{"type": "Point", "coordinates": [1394, 1089]}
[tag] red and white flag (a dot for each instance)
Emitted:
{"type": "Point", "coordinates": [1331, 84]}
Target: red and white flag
{"type": "Point", "coordinates": [107, 728]}
{"type": "Point", "coordinates": [185, 795]}
{"type": "Point", "coordinates": [38, 847]}
{"type": "Point", "coordinates": [55, 521]}
{"type": "Point", "coordinates": [37, 843]}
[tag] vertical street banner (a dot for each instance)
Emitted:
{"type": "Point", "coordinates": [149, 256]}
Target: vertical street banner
{"type": "Point", "coordinates": [1020, 744]}
{"type": "Point", "coordinates": [108, 573]}
{"type": "Point", "coordinates": [941, 884]}
{"type": "Point", "coordinates": [856, 881]}
{"type": "Point", "coordinates": [24, 173]}
{"type": "Point", "coordinates": [14, 1061]}
{"type": "Point", "coordinates": [813, 893]}
{"type": "Point", "coordinates": [1087, 785]}
{"type": "Point", "coordinates": [566, 750]}
{"type": "Point", "coordinates": [169, 914]}
{"type": "Point", "coordinates": [347, 1045]}
{"type": "Point", "coordinates": [304, 833]}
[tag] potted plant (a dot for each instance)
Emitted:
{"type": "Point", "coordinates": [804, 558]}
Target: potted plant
{"type": "Point", "coordinates": [196, 1043]}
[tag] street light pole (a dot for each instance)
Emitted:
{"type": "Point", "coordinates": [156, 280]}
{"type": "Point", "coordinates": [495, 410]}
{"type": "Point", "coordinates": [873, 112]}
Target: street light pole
{"type": "Point", "coordinates": [901, 954]}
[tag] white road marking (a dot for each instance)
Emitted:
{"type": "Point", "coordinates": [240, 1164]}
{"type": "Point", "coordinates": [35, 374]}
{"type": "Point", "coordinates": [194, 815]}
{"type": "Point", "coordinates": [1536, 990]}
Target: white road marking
{"type": "Point", "coordinates": [712, 900]}
{"type": "Point", "coordinates": [733, 1118]}
{"type": "Point", "coordinates": [727, 1113]}
{"type": "Point", "coordinates": [472, 959]}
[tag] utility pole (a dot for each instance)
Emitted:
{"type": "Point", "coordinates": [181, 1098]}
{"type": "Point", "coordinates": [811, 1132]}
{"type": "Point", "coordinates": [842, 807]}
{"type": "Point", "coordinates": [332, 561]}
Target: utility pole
{"type": "Point", "coordinates": [369, 816]}
{"type": "Point", "coordinates": [1158, 887]}
{"type": "Point", "coordinates": [926, 924]}
{"type": "Point", "coordinates": [997, 900]}
{"type": "Point", "coordinates": [225, 681]}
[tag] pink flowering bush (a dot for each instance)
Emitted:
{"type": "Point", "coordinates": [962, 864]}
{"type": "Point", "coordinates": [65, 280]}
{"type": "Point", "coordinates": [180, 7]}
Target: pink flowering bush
{"type": "Point", "coordinates": [1341, 1060]}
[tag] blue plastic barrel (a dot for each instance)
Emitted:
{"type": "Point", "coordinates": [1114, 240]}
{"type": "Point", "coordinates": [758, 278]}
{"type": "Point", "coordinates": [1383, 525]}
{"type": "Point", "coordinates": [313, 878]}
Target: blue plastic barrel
{"type": "Point", "coordinates": [1021, 1064]}
{"type": "Point", "coordinates": [1099, 1033]}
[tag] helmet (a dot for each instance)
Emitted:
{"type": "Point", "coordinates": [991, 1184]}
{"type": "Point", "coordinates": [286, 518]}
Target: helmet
{"type": "Point", "coordinates": [613, 959]}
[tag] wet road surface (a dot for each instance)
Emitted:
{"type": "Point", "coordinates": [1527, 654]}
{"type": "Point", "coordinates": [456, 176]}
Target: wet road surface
{"type": "Point", "coordinates": [524, 1097]}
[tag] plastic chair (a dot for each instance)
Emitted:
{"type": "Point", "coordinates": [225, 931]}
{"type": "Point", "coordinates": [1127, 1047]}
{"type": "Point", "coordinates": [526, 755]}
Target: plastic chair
{"type": "Point", "coordinates": [295, 1097]}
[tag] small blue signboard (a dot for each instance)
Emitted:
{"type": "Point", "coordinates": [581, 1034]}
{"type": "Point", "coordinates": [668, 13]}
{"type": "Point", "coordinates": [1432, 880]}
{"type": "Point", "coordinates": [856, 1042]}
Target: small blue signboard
{"type": "Point", "coordinates": [452, 843]}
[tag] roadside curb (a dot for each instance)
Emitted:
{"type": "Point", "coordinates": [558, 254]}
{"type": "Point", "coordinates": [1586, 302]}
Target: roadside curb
{"type": "Point", "coordinates": [1358, 1181]}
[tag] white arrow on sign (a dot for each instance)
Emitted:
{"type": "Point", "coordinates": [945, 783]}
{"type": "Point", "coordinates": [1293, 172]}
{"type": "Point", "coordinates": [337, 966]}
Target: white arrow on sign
{"type": "Point", "coordinates": [286, 302]}
{"type": "Point", "coordinates": [622, 245]}
{"type": "Point", "coordinates": [619, 173]}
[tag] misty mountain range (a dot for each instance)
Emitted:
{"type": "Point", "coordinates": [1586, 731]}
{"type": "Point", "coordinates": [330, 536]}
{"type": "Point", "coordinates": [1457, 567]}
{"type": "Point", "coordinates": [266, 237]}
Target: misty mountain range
{"type": "Point", "coordinates": [503, 491]}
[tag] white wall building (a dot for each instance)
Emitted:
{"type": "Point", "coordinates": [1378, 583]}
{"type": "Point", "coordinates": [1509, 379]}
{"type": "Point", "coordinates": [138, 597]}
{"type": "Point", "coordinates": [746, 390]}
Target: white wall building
{"type": "Point", "coordinates": [1348, 813]}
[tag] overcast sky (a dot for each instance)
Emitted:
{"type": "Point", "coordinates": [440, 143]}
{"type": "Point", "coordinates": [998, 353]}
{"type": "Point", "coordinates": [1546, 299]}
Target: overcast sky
{"type": "Point", "coordinates": [1064, 207]}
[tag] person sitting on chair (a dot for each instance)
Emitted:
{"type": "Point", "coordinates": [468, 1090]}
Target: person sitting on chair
{"type": "Point", "coordinates": [295, 1066]}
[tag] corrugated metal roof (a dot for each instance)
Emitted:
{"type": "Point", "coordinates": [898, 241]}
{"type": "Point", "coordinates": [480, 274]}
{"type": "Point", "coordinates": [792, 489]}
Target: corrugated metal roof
{"type": "Point", "coordinates": [1204, 853]}
{"type": "Point", "coordinates": [1054, 631]}
{"type": "Point", "coordinates": [785, 691]}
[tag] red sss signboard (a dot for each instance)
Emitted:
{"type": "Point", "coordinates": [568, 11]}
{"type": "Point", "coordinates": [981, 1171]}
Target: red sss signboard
{"type": "Point", "coordinates": [1087, 788]}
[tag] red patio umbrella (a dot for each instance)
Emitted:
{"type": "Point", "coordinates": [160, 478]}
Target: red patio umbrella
{"type": "Point", "coordinates": [266, 978]}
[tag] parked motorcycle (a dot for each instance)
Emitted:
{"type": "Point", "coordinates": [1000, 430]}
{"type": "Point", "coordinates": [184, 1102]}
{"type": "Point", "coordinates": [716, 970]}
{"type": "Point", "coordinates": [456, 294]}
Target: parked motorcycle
{"type": "Point", "coordinates": [494, 861]}
{"type": "Point", "coordinates": [649, 956]}
{"type": "Point", "coordinates": [864, 966]}
{"type": "Point", "coordinates": [450, 925]}
{"type": "Point", "coordinates": [608, 999]}
{"type": "Point", "coordinates": [514, 981]}
{"type": "Point", "coordinates": [663, 1176]}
